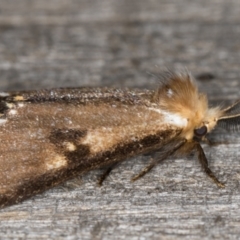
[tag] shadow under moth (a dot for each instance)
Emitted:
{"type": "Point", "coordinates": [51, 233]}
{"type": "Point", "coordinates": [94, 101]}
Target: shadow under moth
{"type": "Point", "coordinates": [49, 136]}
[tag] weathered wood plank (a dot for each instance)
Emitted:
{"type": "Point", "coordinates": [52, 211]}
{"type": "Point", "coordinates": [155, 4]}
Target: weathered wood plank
{"type": "Point", "coordinates": [51, 43]}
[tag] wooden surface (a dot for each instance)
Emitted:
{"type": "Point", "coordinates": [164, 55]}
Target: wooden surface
{"type": "Point", "coordinates": [49, 43]}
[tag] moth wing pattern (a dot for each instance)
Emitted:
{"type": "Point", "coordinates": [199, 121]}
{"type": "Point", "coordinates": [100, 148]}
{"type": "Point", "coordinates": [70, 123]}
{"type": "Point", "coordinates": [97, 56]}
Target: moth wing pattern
{"type": "Point", "coordinates": [50, 136]}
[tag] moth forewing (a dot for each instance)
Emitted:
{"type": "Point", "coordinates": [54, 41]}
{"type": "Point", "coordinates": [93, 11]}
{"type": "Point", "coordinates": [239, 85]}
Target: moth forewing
{"type": "Point", "coordinates": [44, 143]}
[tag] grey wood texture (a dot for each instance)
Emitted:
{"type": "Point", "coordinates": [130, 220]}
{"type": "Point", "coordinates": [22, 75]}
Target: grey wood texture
{"type": "Point", "coordinates": [50, 43]}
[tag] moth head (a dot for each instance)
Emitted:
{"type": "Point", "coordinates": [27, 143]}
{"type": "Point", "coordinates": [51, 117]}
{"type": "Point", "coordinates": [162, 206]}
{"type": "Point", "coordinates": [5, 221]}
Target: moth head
{"type": "Point", "coordinates": [228, 118]}
{"type": "Point", "coordinates": [207, 123]}
{"type": "Point", "coordinates": [178, 95]}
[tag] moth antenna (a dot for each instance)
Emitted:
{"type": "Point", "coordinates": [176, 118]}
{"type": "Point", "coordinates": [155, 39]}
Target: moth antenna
{"type": "Point", "coordinates": [152, 75]}
{"type": "Point", "coordinates": [230, 118]}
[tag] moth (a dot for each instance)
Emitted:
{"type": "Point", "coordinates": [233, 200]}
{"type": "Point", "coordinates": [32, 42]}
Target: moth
{"type": "Point", "coordinates": [49, 136]}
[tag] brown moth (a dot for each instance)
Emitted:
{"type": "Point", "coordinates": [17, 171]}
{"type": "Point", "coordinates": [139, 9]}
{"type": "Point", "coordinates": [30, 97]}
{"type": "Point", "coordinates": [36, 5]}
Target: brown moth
{"type": "Point", "coordinates": [49, 136]}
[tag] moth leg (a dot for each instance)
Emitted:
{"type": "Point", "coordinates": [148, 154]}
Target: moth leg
{"type": "Point", "coordinates": [105, 174]}
{"type": "Point", "coordinates": [145, 170]}
{"type": "Point", "coordinates": [204, 162]}
{"type": "Point", "coordinates": [155, 162]}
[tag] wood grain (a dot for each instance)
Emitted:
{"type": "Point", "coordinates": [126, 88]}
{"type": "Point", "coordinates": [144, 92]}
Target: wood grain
{"type": "Point", "coordinates": [46, 44]}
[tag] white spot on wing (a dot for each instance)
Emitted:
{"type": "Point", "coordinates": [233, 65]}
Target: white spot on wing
{"type": "Point", "coordinates": [175, 119]}
{"type": "Point", "coordinates": [2, 121]}
{"type": "Point", "coordinates": [10, 105]}
{"type": "Point", "coordinates": [99, 140]}
{"type": "Point", "coordinates": [13, 112]}
{"type": "Point", "coordinates": [171, 118]}
{"type": "Point", "coordinates": [20, 105]}
{"type": "Point", "coordinates": [18, 98]}
{"type": "Point", "coordinates": [70, 146]}
{"type": "Point", "coordinates": [57, 162]}
{"type": "Point", "coordinates": [96, 140]}
{"type": "Point", "coordinates": [4, 94]}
